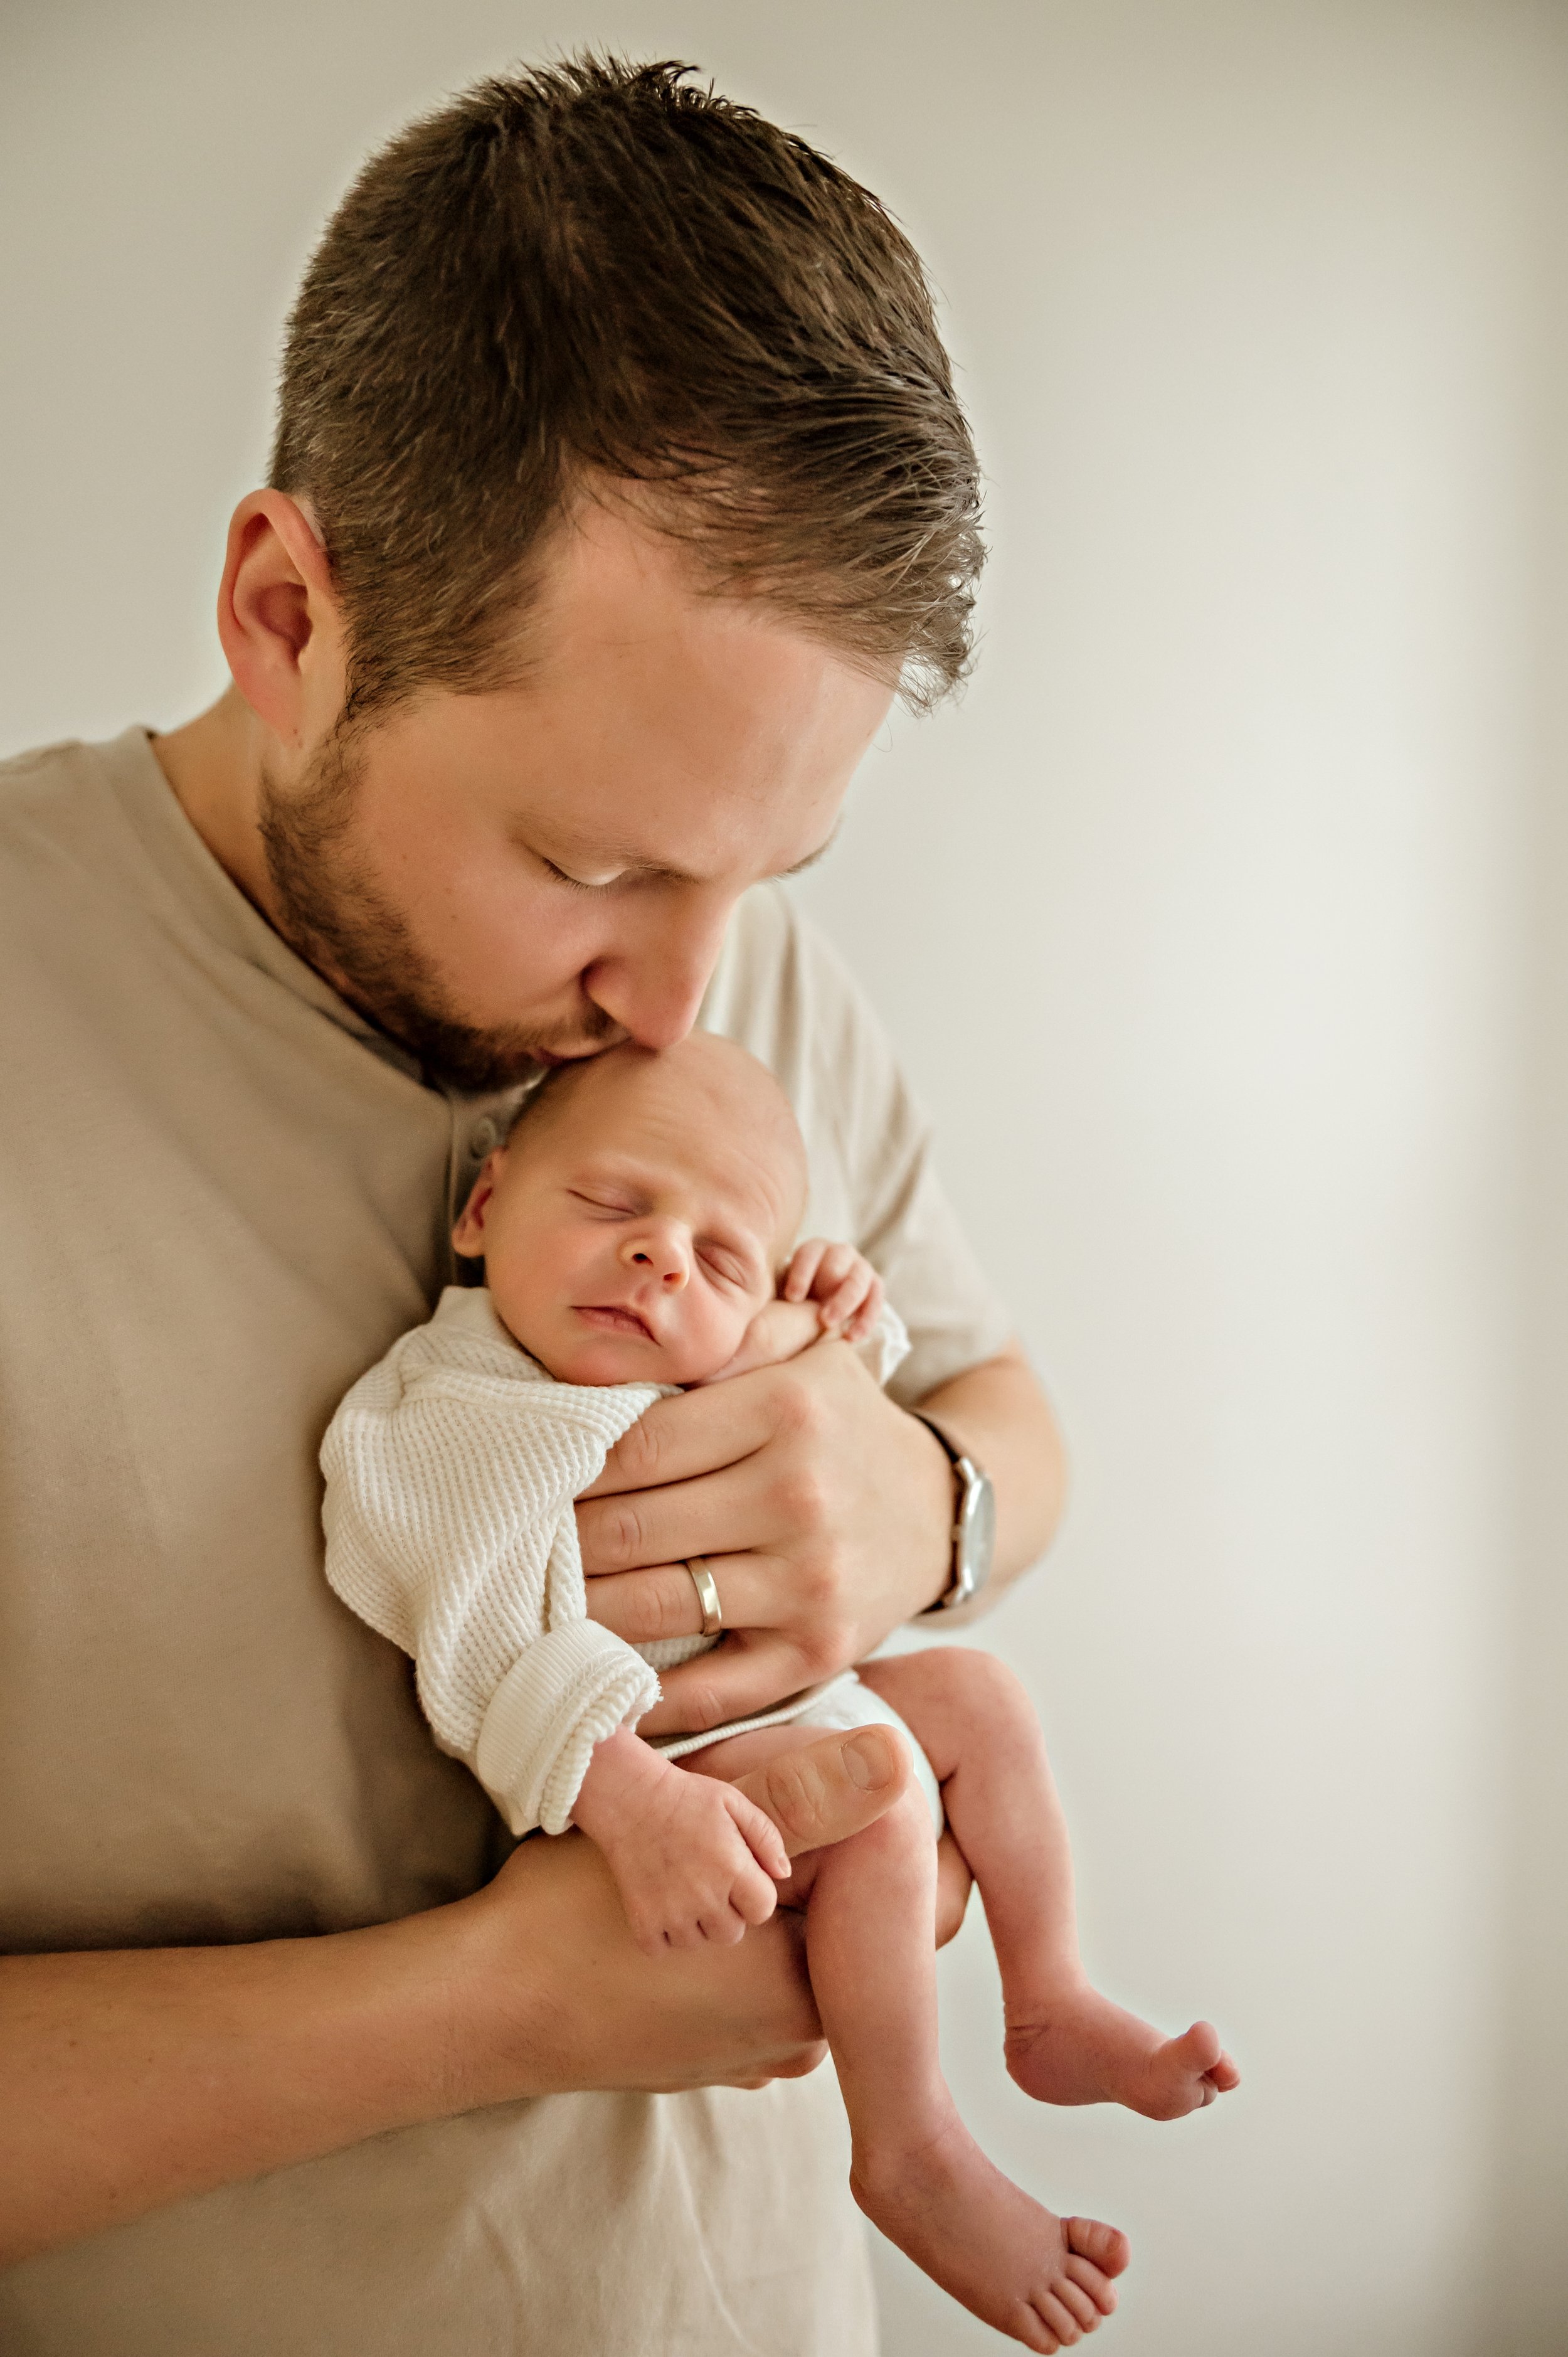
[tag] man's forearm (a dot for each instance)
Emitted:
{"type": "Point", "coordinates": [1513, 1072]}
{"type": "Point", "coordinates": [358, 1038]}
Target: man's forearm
{"type": "Point", "coordinates": [140, 2077]}
{"type": "Point", "coordinates": [135, 2078]}
{"type": "Point", "coordinates": [999, 1410]}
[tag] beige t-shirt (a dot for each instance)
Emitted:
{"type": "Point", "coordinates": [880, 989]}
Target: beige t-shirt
{"type": "Point", "coordinates": [222, 1196]}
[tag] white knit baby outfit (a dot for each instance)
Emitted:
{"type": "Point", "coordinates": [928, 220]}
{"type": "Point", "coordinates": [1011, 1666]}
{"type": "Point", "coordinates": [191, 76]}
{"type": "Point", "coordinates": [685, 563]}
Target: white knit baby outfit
{"type": "Point", "coordinates": [451, 1471]}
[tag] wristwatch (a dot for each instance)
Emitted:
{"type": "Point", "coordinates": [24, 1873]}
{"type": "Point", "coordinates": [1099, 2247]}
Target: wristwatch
{"type": "Point", "coordinates": [974, 1524]}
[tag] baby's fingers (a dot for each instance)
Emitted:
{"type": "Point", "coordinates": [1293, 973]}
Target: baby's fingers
{"type": "Point", "coordinates": [761, 1835]}
{"type": "Point", "coordinates": [804, 1263]}
{"type": "Point", "coordinates": [657, 1929]}
{"type": "Point", "coordinates": [720, 1926]}
{"type": "Point", "coordinates": [692, 1931]}
{"type": "Point", "coordinates": [838, 1263]}
{"type": "Point", "coordinates": [704, 1914]}
{"type": "Point", "coordinates": [870, 1310]}
{"type": "Point", "coordinates": [850, 1294]}
{"type": "Point", "coordinates": [754, 1897]}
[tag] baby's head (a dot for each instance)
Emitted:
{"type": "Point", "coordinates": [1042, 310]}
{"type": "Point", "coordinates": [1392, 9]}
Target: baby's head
{"type": "Point", "coordinates": [632, 1225]}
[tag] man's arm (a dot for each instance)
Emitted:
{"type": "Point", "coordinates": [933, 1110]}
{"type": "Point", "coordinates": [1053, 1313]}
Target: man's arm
{"type": "Point", "coordinates": [136, 2078]}
{"type": "Point", "coordinates": [825, 1510]}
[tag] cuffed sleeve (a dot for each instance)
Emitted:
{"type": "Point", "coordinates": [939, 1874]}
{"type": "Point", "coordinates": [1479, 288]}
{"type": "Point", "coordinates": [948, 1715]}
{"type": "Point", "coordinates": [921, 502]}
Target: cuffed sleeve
{"type": "Point", "coordinates": [885, 1347]}
{"type": "Point", "coordinates": [571, 1689]}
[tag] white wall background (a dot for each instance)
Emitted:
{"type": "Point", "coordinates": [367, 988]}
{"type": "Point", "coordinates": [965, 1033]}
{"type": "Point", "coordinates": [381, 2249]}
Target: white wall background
{"type": "Point", "coordinates": [1216, 926]}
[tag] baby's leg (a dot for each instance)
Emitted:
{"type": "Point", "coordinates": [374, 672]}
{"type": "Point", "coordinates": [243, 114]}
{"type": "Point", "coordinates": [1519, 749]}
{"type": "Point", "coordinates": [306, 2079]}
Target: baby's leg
{"type": "Point", "coordinates": [917, 2171]}
{"type": "Point", "coordinates": [1066, 2043]}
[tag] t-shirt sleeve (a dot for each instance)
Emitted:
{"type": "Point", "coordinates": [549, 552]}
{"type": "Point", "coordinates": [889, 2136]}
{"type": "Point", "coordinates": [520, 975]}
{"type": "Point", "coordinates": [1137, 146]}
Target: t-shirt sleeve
{"type": "Point", "coordinates": [784, 991]}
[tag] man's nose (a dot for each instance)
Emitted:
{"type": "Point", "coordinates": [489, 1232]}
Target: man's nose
{"type": "Point", "coordinates": [653, 987]}
{"type": "Point", "coordinates": [660, 1253]}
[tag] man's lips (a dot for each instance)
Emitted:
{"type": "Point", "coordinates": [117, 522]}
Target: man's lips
{"type": "Point", "coordinates": [615, 1321]}
{"type": "Point", "coordinates": [554, 1057]}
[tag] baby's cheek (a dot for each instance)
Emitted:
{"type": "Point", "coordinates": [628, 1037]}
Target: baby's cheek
{"type": "Point", "coordinates": [713, 1334]}
{"type": "Point", "coordinates": [535, 1272]}
{"type": "Point", "coordinates": [518, 1301]}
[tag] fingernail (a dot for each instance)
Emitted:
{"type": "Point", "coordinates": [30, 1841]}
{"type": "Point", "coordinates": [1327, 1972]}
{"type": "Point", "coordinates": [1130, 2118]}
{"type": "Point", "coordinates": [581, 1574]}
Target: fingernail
{"type": "Point", "coordinates": [869, 1760]}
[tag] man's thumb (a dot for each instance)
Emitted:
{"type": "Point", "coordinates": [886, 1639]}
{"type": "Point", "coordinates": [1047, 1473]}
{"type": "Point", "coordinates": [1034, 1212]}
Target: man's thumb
{"type": "Point", "coordinates": [826, 1791]}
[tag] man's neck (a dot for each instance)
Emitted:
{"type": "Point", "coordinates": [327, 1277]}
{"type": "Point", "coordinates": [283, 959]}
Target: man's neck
{"type": "Point", "coordinates": [213, 767]}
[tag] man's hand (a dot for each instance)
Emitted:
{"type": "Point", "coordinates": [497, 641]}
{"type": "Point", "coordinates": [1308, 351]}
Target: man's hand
{"type": "Point", "coordinates": [825, 1513]}
{"type": "Point", "coordinates": [692, 1858]}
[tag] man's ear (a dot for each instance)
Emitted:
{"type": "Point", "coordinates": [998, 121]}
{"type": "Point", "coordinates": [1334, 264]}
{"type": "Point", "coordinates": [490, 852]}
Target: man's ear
{"type": "Point", "coordinates": [468, 1235]}
{"type": "Point", "coordinates": [279, 618]}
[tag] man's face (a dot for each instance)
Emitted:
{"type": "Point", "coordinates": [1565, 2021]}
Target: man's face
{"type": "Point", "coordinates": [538, 872]}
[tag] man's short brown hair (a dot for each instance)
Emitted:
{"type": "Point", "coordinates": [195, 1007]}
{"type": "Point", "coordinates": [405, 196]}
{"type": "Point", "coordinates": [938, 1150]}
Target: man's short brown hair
{"type": "Point", "coordinates": [598, 272]}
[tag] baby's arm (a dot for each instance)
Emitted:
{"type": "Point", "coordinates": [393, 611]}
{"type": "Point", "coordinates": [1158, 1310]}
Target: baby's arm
{"type": "Point", "coordinates": [826, 1289]}
{"type": "Point", "coordinates": [691, 1857]}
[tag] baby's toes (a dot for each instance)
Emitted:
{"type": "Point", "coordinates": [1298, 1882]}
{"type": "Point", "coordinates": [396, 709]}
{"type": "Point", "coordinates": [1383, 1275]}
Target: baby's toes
{"type": "Point", "coordinates": [1106, 2250]}
{"type": "Point", "coordinates": [1201, 2049]}
{"type": "Point", "coordinates": [1077, 2303]}
{"type": "Point", "coordinates": [1026, 2324]}
{"type": "Point", "coordinates": [1057, 2319]}
{"type": "Point", "coordinates": [1178, 2072]}
{"type": "Point", "coordinates": [1086, 2278]}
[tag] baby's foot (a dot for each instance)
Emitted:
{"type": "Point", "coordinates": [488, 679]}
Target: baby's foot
{"type": "Point", "coordinates": [1045, 2280]}
{"type": "Point", "coordinates": [1082, 2048]}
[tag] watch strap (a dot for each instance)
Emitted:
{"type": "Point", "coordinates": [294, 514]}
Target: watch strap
{"type": "Point", "coordinates": [960, 1587]}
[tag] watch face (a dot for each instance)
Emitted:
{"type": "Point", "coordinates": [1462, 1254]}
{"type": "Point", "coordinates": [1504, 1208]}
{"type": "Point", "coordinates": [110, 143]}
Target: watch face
{"type": "Point", "coordinates": [979, 1540]}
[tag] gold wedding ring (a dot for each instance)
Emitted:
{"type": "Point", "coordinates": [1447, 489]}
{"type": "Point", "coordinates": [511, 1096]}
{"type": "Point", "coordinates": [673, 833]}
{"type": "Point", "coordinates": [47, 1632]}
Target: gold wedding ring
{"type": "Point", "coordinates": [707, 1590]}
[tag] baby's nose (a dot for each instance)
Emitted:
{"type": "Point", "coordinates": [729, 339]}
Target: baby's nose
{"type": "Point", "coordinates": [662, 1257]}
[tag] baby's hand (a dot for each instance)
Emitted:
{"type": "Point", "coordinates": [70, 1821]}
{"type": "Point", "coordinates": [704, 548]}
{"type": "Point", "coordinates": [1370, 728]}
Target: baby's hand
{"type": "Point", "coordinates": [780, 1330]}
{"type": "Point", "coordinates": [826, 1289]}
{"type": "Point", "coordinates": [693, 1858]}
{"type": "Point", "coordinates": [842, 1282]}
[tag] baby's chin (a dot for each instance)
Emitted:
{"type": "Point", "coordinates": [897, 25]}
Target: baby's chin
{"type": "Point", "coordinates": [609, 1360]}
{"type": "Point", "coordinates": [599, 1358]}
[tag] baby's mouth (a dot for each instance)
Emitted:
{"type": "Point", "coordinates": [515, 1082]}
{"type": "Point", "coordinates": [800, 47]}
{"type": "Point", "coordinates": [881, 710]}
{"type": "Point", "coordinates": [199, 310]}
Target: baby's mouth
{"type": "Point", "coordinates": [614, 1320]}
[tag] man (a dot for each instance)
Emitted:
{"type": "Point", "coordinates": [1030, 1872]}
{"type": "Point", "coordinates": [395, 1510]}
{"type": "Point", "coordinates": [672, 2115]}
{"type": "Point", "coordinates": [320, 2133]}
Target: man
{"type": "Point", "coordinates": [618, 485]}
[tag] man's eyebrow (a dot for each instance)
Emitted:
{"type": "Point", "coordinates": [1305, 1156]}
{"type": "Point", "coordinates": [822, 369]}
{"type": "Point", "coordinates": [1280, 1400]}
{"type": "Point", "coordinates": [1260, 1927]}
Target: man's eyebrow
{"type": "Point", "coordinates": [635, 863]}
{"type": "Point", "coordinates": [812, 858]}
{"type": "Point", "coordinates": [777, 876]}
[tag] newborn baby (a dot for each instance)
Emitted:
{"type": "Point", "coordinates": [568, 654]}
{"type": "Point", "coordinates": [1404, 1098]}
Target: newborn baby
{"type": "Point", "coordinates": [635, 1233]}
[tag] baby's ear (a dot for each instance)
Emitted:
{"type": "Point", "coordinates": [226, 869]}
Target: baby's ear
{"type": "Point", "coordinates": [468, 1235]}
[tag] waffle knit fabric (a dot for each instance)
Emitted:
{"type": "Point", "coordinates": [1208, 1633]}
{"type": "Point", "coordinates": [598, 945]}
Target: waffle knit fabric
{"type": "Point", "coordinates": [452, 1468]}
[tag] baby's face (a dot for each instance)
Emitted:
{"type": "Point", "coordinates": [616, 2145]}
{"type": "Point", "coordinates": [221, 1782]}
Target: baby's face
{"type": "Point", "coordinates": [635, 1234]}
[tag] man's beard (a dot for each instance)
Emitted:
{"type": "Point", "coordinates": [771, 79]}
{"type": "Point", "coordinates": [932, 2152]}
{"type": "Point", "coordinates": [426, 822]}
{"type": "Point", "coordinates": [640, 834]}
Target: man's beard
{"type": "Point", "coordinates": [330, 914]}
